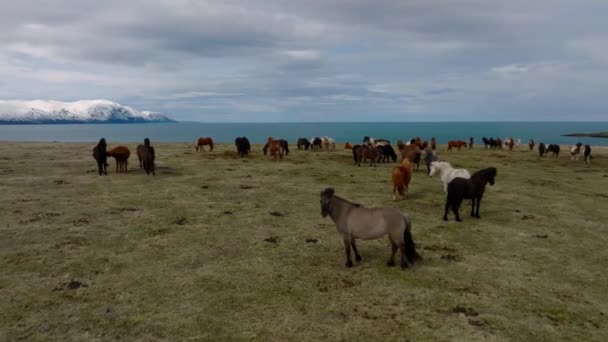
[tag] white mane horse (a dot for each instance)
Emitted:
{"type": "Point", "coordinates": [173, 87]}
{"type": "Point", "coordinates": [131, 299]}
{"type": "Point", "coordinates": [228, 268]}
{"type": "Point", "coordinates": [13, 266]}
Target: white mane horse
{"type": "Point", "coordinates": [447, 173]}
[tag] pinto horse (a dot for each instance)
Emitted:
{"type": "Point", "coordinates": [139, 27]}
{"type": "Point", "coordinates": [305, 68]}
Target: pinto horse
{"type": "Point", "coordinates": [575, 151]}
{"type": "Point", "coordinates": [101, 156]}
{"type": "Point", "coordinates": [121, 154]}
{"type": "Point", "coordinates": [202, 141]}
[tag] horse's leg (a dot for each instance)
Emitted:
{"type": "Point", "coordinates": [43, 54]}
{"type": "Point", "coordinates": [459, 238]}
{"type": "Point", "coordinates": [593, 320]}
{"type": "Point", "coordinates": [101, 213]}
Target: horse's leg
{"type": "Point", "coordinates": [473, 200]}
{"type": "Point", "coordinates": [478, 202]}
{"type": "Point", "coordinates": [394, 248]}
{"type": "Point", "coordinates": [354, 246]}
{"type": "Point", "coordinates": [349, 262]}
{"type": "Point", "coordinates": [456, 208]}
{"type": "Point", "coordinates": [447, 208]}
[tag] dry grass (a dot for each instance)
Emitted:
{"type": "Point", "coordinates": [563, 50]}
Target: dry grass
{"type": "Point", "coordinates": [195, 253]}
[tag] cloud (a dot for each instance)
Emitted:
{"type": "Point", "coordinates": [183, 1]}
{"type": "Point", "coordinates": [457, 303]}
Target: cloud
{"type": "Point", "coordinates": [278, 60]}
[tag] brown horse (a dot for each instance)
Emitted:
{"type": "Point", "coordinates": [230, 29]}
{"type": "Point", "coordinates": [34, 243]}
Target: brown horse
{"type": "Point", "coordinates": [101, 156]}
{"type": "Point", "coordinates": [401, 177]}
{"type": "Point", "coordinates": [348, 146]}
{"type": "Point", "coordinates": [202, 141]}
{"type": "Point", "coordinates": [146, 156]}
{"type": "Point", "coordinates": [362, 153]}
{"type": "Point", "coordinates": [275, 147]}
{"type": "Point", "coordinates": [121, 154]}
{"type": "Point", "coordinates": [458, 144]}
{"type": "Point", "coordinates": [510, 143]}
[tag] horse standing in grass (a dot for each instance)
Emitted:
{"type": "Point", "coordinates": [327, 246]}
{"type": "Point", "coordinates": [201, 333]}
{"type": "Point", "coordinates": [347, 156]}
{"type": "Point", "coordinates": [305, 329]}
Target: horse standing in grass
{"type": "Point", "coordinates": [329, 144]}
{"type": "Point", "coordinates": [458, 144]}
{"type": "Point", "coordinates": [101, 156]}
{"type": "Point", "coordinates": [542, 149]}
{"type": "Point", "coordinates": [554, 149]}
{"type": "Point", "coordinates": [276, 150]}
{"type": "Point", "coordinates": [531, 144]}
{"type": "Point", "coordinates": [356, 222]}
{"type": "Point", "coordinates": [387, 153]}
{"type": "Point", "coordinates": [575, 151]}
{"type": "Point", "coordinates": [303, 144]}
{"type": "Point", "coordinates": [242, 146]}
{"type": "Point", "coordinates": [401, 177]}
{"type": "Point", "coordinates": [202, 142]}
{"type": "Point", "coordinates": [587, 154]}
{"type": "Point", "coordinates": [317, 143]}
{"type": "Point", "coordinates": [146, 156]}
{"type": "Point", "coordinates": [121, 154]}
{"type": "Point", "coordinates": [433, 144]}
{"type": "Point", "coordinates": [348, 146]}
{"type": "Point", "coordinates": [447, 173]}
{"type": "Point", "coordinates": [365, 153]}
{"type": "Point", "coordinates": [470, 142]}
{"type": "Point", "coordinates": [428, 156]}
{"type": "Point", "coordinates": [473, 189]}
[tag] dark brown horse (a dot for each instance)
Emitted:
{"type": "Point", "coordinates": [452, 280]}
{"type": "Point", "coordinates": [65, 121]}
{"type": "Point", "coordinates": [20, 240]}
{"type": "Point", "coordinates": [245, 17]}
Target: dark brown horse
{"type": "Point", "coordinates": [101, 156]}
{"type": "Point", "coordinates": [531, 144]}
{"type": "Point", "coordinates": [202, 141]}
{"type": "Point", "coordinates": [146, 156]}
{"type": "Point", "coordinates": [473, 189]}
{"type": "Point", "coordinates": [121, 154]}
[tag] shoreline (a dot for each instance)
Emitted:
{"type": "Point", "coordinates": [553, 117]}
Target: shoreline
{"type": "Point", "coordinates": [587, 135]}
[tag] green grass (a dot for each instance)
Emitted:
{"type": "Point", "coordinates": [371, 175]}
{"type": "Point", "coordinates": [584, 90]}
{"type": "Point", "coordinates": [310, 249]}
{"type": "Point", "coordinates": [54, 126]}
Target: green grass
{"type": "Point", "coordinates": [183, 256]}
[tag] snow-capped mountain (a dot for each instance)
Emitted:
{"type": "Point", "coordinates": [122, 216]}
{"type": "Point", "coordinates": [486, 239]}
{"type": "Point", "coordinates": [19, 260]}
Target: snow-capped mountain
{"type": "Point", "coordinates": [84, 111]}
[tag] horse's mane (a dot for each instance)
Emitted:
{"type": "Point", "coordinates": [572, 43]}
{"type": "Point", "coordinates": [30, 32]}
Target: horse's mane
{"type": "Point", "coordinates": [349, 202]}
{"type": "Point", "coordinates": [485, 173]}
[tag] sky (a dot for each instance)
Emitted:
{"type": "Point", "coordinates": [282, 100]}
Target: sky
{"type": "Point", "coordinates": [314, 60]}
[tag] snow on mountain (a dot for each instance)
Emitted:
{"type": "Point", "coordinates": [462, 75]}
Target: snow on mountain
{"type": "Point", "coordinates": [83, 111]}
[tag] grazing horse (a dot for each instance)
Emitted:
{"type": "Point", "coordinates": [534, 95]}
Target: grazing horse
{"type": "Point", "coordinates": [531, 144]}
{"type": "Point", "coordinates": [457, 144]}
{"type": "Point", "coordinates": [329, 144]}
{"type": "Point", "coordinates": [303, 144]}
{"type": "Point", "coordinates": [242, 146]}
{"type": "Point", "coordinates": [317, 143]}
{"type": "Point", "coordinates": [146, 156]}
{"type": "Point", "coordinates": [554, 149]}
{"type": "Point", "coordinates": [575, 151]}
{"type": "Point", "coordinates": [101, 156]}
{"type": "Point", "coordinates": [462, 188]}
{"type": "Point", "coordinates": [201, 142]}
{"type": "Point", "coordinates": [387, 152]}
{"type": "Point", "coordinates": [401, 177]}
{"type": "Point", "coordinates": [365, 152]}
{"type": "Point", "coordinates": [121, 154]}
{"type": "Point", "coordinates": [447, 173]}
{"type": "Point", "coordinates": [356, 222]}
{"type": "Point", "coordinates": [348, 146]}
{"type": "Point", "coordinates": [587, 154]}
{"type": "Point", "coordinates": [275, 147]}
{"type": "Point", "coordinates": [510, 142]}
{"type": "Point", "coordinates": [433, 144]}
{"type": "Point", "coordinates": [428, 156]}
{"type": "Point", "coordinates": [282, 143]}
{"type": "Point", "coordinates": [542, 149]}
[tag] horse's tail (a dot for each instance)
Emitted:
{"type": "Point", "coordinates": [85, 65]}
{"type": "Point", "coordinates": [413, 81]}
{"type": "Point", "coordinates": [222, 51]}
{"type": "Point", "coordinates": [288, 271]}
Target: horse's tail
{"type": "Point", "coordinates": [410, 246]}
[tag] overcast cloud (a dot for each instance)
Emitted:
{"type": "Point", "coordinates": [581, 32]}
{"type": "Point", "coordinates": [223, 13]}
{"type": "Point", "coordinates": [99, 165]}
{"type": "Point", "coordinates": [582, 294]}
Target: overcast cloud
{"type": "Point", "coordinates": [314, 60]}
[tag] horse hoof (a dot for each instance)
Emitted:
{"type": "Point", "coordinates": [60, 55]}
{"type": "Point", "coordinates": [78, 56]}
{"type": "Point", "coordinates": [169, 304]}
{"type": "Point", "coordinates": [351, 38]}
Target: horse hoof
{"type": "Point", "coordinates": [478, 216]}
{"type": "Point", "coordinates": [358, 258]}
{"type": "Point", "coordinates": [404, 266]}
{"type": "Point", "coordinates": [458, 220]}
{"type": "Point", "coordinates": [390, 263]}
{"type": "Point", "coordinates": [349, 264]}
{"type": "Point", "coordinates": [445, 218]}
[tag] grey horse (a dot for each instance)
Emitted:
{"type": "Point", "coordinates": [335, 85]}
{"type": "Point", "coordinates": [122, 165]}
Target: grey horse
{"type": "Point", "coordinates": [428, 156]}
{"type": "Point", "coordinates": [356, 222]}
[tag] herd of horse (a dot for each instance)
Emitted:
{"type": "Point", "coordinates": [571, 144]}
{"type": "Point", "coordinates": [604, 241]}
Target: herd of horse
{"type": "Point", "coordinates": [352, 220]}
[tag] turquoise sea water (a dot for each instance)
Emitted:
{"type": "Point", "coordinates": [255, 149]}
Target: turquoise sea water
{"type": "Point", "coordinates": [547, 132]}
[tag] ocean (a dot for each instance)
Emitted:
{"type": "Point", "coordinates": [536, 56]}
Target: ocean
{"type": "Point", "coordinates": [547, 132]}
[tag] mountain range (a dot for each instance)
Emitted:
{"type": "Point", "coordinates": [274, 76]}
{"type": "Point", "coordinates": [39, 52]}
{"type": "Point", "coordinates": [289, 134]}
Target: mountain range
{"type": "Point", "coordinates": [83, 111]}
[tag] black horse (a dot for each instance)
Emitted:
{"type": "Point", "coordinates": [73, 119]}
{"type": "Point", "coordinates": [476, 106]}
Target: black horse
{"type": "Point", "coordinates": [101, 156]}
{"type": "Point", "coordinates": [317, 144]}
{"type": "Point", "coordinates": [542, 149]}
{"type": "Point", "coordinates": [587, 154]}
{"type": "Point", "coordinates": [473, 189]}
{"type": "Point", "coordinates": [554, 149]}
{"type": "Point", "coordinates": [303, 144]}
{"type": "Point", "coordinates": [242, 146]}
{"type": "Point", "coordinates": [387, 152]}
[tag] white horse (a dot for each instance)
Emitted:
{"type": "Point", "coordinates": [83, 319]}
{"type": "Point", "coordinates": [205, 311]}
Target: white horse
{"type": "Point", "coordinates": [447, 173]}
{"type": "Point", "coordinates": [329, 143]}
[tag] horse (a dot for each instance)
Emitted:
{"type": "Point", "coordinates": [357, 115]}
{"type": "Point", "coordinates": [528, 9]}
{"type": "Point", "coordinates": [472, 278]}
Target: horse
{"type": "Point", "coordinates": [575, 151]}
{"type": "Point", "coordinates": [201, 142]}
{"type": "Point", "coordinates": [587, 154]}
{"type": "Point", "coordinates": [473, 189]}
{"type": "Point", "coordinates": [329, 144]}
{"type": "Point", "coordinates": [121, 154]}
{"type": "Point", "coordinates": [303, 144]}
{"type": "Point", "coordinates": [433, 144]}
{"type": "Point", "coordinates": [554, 149]}
{"type": "Point", "coordinates": [531, 144]}
{"type": "Point", "coordinates": [412, 153]}
{"type": "Point", "coordinates": [348, 146]}
{"type": "Point", "coordinates": [447, 173]}
{"type": "Point", "coordinates": [387, 152]}
{"type": "Point", "coordinates": [510, 142]}
{"type": "Point", "coordinates": [371, 153]}
{"type": "Point", "coordinates": [428, 156]}
{"type": "Point", "coordinates": [242, 146]}
{"type": "Point", "coordinates": [401, 177]}
{"type": "Point", "coordinates": [353, 221]}
{"type": "Point", "coordinates": [282, 144]}
{"type": "Point", "coordinates": [457, 144]}
{"type": "Point", "coordinates": [276, 147]}
{"type": "Point", "coordinates": [355, 150]}
{"type": "Point", "coordinates": [498, 143]}
{"type": "Point", "coordinates": [400, 145]}
{"type": "Point", "coordinates": [146, 156]}
{"type": "Point", "coordinates": [316, 143]}
{"type": "Point", "coordinates": [470, 142]}
{"type": "Point", "coordinates": [542, 149]}
{"type": "Point", "coordinates": [101, 156]}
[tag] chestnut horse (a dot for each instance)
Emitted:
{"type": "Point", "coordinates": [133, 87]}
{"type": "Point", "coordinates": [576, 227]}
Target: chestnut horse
{"type": "Point", "coordinates": [457, 144]}
{"type": "Point", "coordinates": [275, 147]}
{"type": "Point", "coordinates": [121, 154]}
{"type": "Point", "coordinates": [202, 141]}
{"type": "Point", "coordinates": [401, 177]}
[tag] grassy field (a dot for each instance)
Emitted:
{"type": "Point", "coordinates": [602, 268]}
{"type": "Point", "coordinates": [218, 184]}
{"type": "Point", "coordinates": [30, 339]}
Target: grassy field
{"type": "Point", "coordinates": [221, 248]}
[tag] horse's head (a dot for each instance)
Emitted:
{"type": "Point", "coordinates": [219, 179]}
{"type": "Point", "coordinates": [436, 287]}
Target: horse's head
{"type": "Point", "coordinates": [365, 139]}
{"type": "Point", "coordinates": [434, 168]}
{"type": "Point", "coordinates": [326, 197]}
{"type": "Point", "coordinates": [490, 174]}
